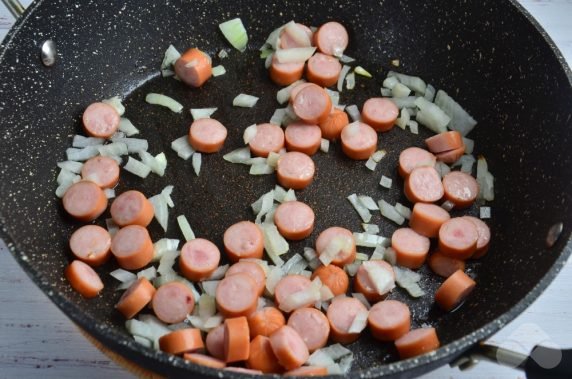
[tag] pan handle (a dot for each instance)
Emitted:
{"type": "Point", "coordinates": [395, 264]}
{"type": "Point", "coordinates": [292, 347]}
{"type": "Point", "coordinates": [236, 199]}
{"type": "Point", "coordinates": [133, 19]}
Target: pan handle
{"type": "Point", "coordinates": [15, 7]}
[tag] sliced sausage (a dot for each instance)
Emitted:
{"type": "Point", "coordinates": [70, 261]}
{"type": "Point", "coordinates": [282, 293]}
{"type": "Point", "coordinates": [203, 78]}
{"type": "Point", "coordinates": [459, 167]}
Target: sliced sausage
{"type": "Point", "coordinates": [289, 348]}
{"type": "Point", "coordinates": [265, 321]}
{"type": "Point", "coordinates": [268, 138]}
{"type": "Point", "coordinates": [243, 240]}
{"type": "Point", "coordinates": [460, 188]}
{"type": "Point", "coordinates": [132, 208]}
{"type": "Point", "coordinates": [172, 302]}
{"type": "Point", "coordinates": [289, 285]}
{"type": "Point", "coordinates": [359, 140]}
{"type": "Point", "coordinates": [458, 238]}
{"type": "Point", "coordinates": [484, 236]}
{"type": "Point", "coordinates": [323, 70]}
{"type": "Point", "coordinates": [302, 137]}
{"type": "Point", "coordinates": [445, 141]}
{"type": "Point", "coordinates": [132, 247]}
{"type": "Point", "coordinates": [451, 156]}
{"type": "Point", "coordinates": [84, 201]}
{"type": "Point", "coordinates": [444, 265]}
{"type": "Point", "coordinates": [312, 325]}
{"type": "Point", "coordinates": [290, 40]}
{"type": "Point", "coordinates": [417, 342]}
{"type": "Point", "coordinates": [345, 256]}
{"type": "Point", "coordinates": [215, 342]}
{"type": "Point", "coordinates": [236, 339]}
{"type": "Point", "coordinates": [103, 171]}
{"type": "Point", "coordinates": [299, 87]}
{"type": "Point", "coordinates": [253, 269]}
{"type": "Point", "coordinates": [411, 248]}
{"type": "Point", "coordinates": [100, 120]}
{"type": "Point", "coordinates": [312, 104]}
{"type": "Point", "coordinates": [334, 124]}
{"type": "Point", "coordinates": [182, 341]}
{"type": "Point", "coordinates": [194, 67]}
{"type": "Point", "coordinates": [204, 360]}
{"type": "Point", "coordinates": [363, 284]}
{"type": "Point", "coordinates": [295, 170]}
{"type": "Point", "coordinates": [426, 219]}
{"type": "Point", "coordinates": [308, 371]}
{"type": "Point", "coordinates": [83, 279]}
{"type": "Point", "coordinates": [207, 135]}
{"type": "Point", "coordinates": [262, 357]}
{"type": "Point", "coordinates": [199, 259]}
{"type": "Point", "coordinates": [334, 278]}
{"type": "Point", "coordinates": [379, 113]}
{"type": "Point", "coordinates": [91, 244]}
{"type": "Point", "coordinates": [331, 38]}
{"type": "Point", "coordinates": [389, 320]}
{"type": "Point", "coordinates": [341, 314]}
{"type": "Point", "coordinates": [414, 157]}
{"type": "Point", "coordinates": [135, 298]}
{"type": "Point", "coordinates": [237, 295]}
{"type": "Point", "coordinates": [454, 290]}
{"type": "Point", "coordinates": [423, 185]}
{"type": "Point", "coordinates": [294, 220]}
{"type": "Point", "coordinates": [285, 74]}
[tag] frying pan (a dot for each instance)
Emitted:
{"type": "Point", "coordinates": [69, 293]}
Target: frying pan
{"type": "Point", "coordinates": [490, 55]}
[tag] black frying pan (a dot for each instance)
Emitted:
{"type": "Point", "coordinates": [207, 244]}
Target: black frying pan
{"type": "Point", "coordinates": [491, 56]}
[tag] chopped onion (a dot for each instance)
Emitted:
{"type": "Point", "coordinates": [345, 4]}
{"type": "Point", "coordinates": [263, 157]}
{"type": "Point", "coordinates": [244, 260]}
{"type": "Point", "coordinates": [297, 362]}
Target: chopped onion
{"type": "Point", "coordinates": [345, 59]}
{"type": "Point", "coordinates": [334, 96]}
{"type": "Point", "coordinates": [407, 279]}
{"type": "Point", "coordinates": [378, 253]}
{"type": "Point", "coordinates": [361, 256]}
{"type": "Point", "coordinates": [337, 244]}
{"type": "Point", "coordinates": [461, 121]}
{"type": "Point", "coordinates": [266, 202]}
{"type": "Point", "coordinates": [370, 228]}
{"type": "Point", "coordinates": [354, 113]}
{"type": "Point", "coordinates": [123, 276]}
{"type": "Point", "coordinates": [235, 33]}
{"type": "Point", "coordinates": [353, 267]}
{"type": "Point", "coordinates": [302, 298]}
{"type": "Point", "coordinates": [466, 162]}
{"type": "Point", "coordinates": [166, 264]}
{"type": "Point", "coordinates": [197, 162]}
{"type": "Point", "coordinates": [157, 164]}
{"type": "Point", "coordinates": [469, 145]}
{"type": "Point", "coordinates": [241, 155]}
{"type": "Point", "coordinates": [442, 168]}
{"type": "Point", "coordinates": [143, 341]}
{"type": "Point", "coordinates": [294, 55]}
{"type": "Point", "coordinates": [290, 195]}
{"type": "Point", "coordinates": [283, 95]}
{"type": "Point", "coordinates": [345, 364]}
{"type": "Point", "coordinates": [359, 296]}
{"type": "Point", "coordinates": [278, 116]}
{"type": "Point", "coordinates": [222, 54]}
{"type": "Point", "coordinates": [272, 160]}
{"type": "Point", "coordinates": [161, 210]}
{"type": "Point", "coordinates": [274, 243]}
{"type": "Point", "coordinates": [65, 177]}
{"type": "Point", "coordinates": [273, 277]}
{"type": "Point", "coordinates": [171, 56]}
{"type": "Point", "coordinates": [359, 323]}
{"type": "Point", "coordinates": [404, 119]}
{"type": "Point", "coordinates": [381, 278]}
{"type": "Point", "coordinates": [84, 154]}
{"type": "Point", "coordinates": [336, 351]}
{"type": "Point", "coordinates": [164, 244]}
{"type": "Point", "coordinates": [413, 126]}
{"type": "Point", "coordinates": [385, 182]}
{"type": "Point", "coordinates": [403, 210]}
{"type": "Point", "coordinates": [265, 53]}
{"type": "Point", "coordinates": [403, 102]}
{"type": "Point", "coordinates": [385, 92]}
{"type": "Point", "coordinates": [350, 81]}
{"type": "Point", "coordinates": [485, 180]}
{"type": "Point", "coordinates": [279, 193]}
{"type": "Point", "coordinates": [249, 134]}
{"type": "Point", "coordinates": [310, 253]}
{"type": "Point", "coordinates": [360, 209]}
{"type": "Point", "coordinates": [109, 193]}
{"type": "Point", "coordinates": [207, 306]}
{"type": "Point", "coordinates": [320, 358]}
{"type": "Point", "coordinates": [326, 293]}
{"type": "Point", "coordinates": [368, 202]}
{"type": "Point", "coordinates": [182, 147]}
{"type": "Point", "coordinates": [413, 82]}
{"type": "Point", "coordinates": [297, 34]}
{"type": "Point", "coordinates": [268, 61]}
{"type": "Point", "coordinates": [294, 265]}
{"type": "Point", "coordinates": [261, 169]}
{"type": "Point", "coordinates": [389, 211]}
{"type": "Point", "coordinates": [185, 228]}
{"type": "Point", "coordinates": [448, 206]}
{"type": "Point", "coordinates": [133, 145]}
{"type": "Point", "coordinates": [115, 102]}
{"type": "Point", "coordinates": [212, 322]}
{"type": "Point", "coordinates": [399, 90]}
{"type": "Point", "coordinates": [361, 71]}
{"type": "Point", "coordinates": [81, 141]}
{"type": "Point", "coordinates": [324, 145]}
{"type": "Point", "coordinates": [165, 101]}
{"type": "Point", "coordinates": [113, 149]}
{"type": "Point", "coordinates": [256, 160]}
{"type": "Point", "coordinates": [199, 113]}
{"type": "Point", "coordinates": [370, 164]}
{"type": "Point", "coordinates": [149, 273]}
{"type": "Point", "coordinates": [137, 168]}
{"type": "Point", "coordinates": [218, 70]}
{"type": "Point", "coordinates": [390, 82]}
{"type": "Point", "coordinates": [152, 330]}
{"type": "Point", "coordinates": [209, 286]}
{"type": "Point", "coordinates": [378, 155]}
{"type": "Point", "coordinates": [111, 226]}
{"type": "Point", "coordinates": [429, 93]}
{"type": "Point", "coordinates": [370, 240]}
{"type": "Point", "coordinates": [71, 166]}
{"type": "Point", "coordinates": [127, 127]}
{"type": "Point", "coordinates": [485, 212]}
{"type": "Point", "coordinates": [431, 116]}
{"type": "Point", "coordinates": [272, 39]}
{"type": "Point", "coordinates": [166, 73]}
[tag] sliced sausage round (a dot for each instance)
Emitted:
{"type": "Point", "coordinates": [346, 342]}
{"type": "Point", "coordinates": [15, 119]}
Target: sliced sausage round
{"type": "Point", "coordinates": [444, 265]}
{"type": "Point", "coordinates": [251, 268]}
{"type": "Point", "coordinates": [100, 120]}
{"type": "Point", "coordinates": [484, 236]}
{"type": "Point", "coordinates": [294, 220]}
{"type": "Point", "coordinates": [411, 248]}
{"type": "Point", "coordinates": [389, 320]}
{"type": "Point", "coordinates": [289, 348]}
{"type": "Point", "coordinates": [417, 342]}
{"type": "Point", "coordinates": [312, 104]}
{"type": "Point", "coordinates": [132, 208]}
{"type": "Point", "coordinates": [265, 321]}
{"type": "Point", "coordinates": [334, 278]}
{"type": "Point", "coordinates": [308, 371]}
{"type": "Point", "coordinates": [83, 279]}
{"type": "Point", "coordinates": [344, 256]}
{"type": "Point", "coordinates": [334, 124]}
{"type": "Point", "coordinates": [285, 74]}
{"type": "Point", "coordinates": [204, 360]}
{"type": "Point", "coordinates": [237, 295]}
{"type": "Point", "coordinates": [290, 40]}
{"type": "Point", "coordinates": [262, 356]}
{"type": "Point", "coordinates": [91, 244]}
{"type": "Point", "coordinates": [445, 141]}
{"type": "Point", "coordinates": [312, 325]}
{"type": "Point", "coordinates": [295, 170]}
{"type": "Point", "coordinates": [132, 247]}
{"type": "Point", "coordinates": [288, 285]}
{"type": "Point", "coordinates": [426, 219]}
{"type": "Point", "coordinates": [236, 339]}
{"type": "Point", "coordinates": [414, 157]}
{"type": "Point", "coordinates": [84, 201]}
{"type": "Point", "coordinates": [268, 138]}
{"type": "Point", "coordinates": [460, 189]}
{"type": "Point", "coordinates": [297, 88]}
{"type": "Point", "coordinates": [135, 298]}
{"type": "Point", "coordinates": [341, 314]}
{"type": "Point", "coordinates": [207, 135]}
{"type": "Point", "coordinates": [454, 290]}
{"type": "Point", "coordinates": [324, 70]}
{"type": "Point", "coordinates": [243, 240]}
{"type": "Point", "coordinates": [182, 341]}
{"type": "Point", "coordinates": [363, 284]}
{"type": "Point", "coordinates": [380, 113]}
{"type": "Point", "coordinates": [359, 140]}
{"type": "Point", "coordinates": [194, 67]}
{"type": "Point", "coordinates": [458, 238]}
{"type": "Point", "coordinates": [103, 171]}
{"type": "Point", "coordinates": [172, 302]}
{"type": "Point", "coordinates": [423, 185]}
{"type": "Point", "coordinates": [302, 137]}
{"type": "Point", "coordinates": [451, 156]}
{"type": "Point", "coordinates": [331, 38]}
{"type": "Point", "coordinates": [215, 342]}
{"type": "Point", "coordinates": [199, 259]}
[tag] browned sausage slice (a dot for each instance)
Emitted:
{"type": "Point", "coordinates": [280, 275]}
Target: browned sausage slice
{"type": "Point", "coordinates": [445, 141]}
{"type": "Point", "coordinates": [285, 74]}
{"type": "Point", "coordinates": [91, 244]}
{"type": "Point", "coordinates": [182, 341]}
{"type": "Point", "coordinates": [331, 38]}
{"type": "Point", "coordinates": [289, 285]}
{"type": "Point", "coordinates": [237, 295]}
{"type": "Point", "coordinates": [251, 268]}
{"type": "Point", "coordinates": [359, 140]}
{"type": "Point", "coordinates": [484, 236]}
{"type": "Point", "coordinates": [454, 290]}
{"type": "Point", "coordinates": [83, 279]}
{"type": "Point", "coordinates": [312, 325]}
{"type": "Point", "coordinates": [344, 256]}
{"type": "Point", "coordinates": [215, 342]}
{"type": "Point", "coordinates": [243, 240]}
{"type": "Point", "coordinates": [262, 356]}
{"type": "Point", "coordinates": [268, 138]}
{"type": "Point", "coordinates": [444, 265]}
{"type": "Point", "coordinates": [363, 284]}
{"type": "Point", "coordinates": [458, 238]}
{"type": "Point", "coordinates": [389, 320]}
{"type": "Point", "coordinates": [334, 278]}
{"type": "Point", "coordinates": [199, 259]}
{"type": "Point", "coordinates": [302, 137]}
{"type": "Point", "coordinates": [265, 321]}
{"type": "Point", "coordinates": [289, 41]}
{"type": "Point", "coordinates": [333, 126]}
{"type": "Point", "coordinates": [294, 220]}
{"type": "Point", "coordinates": [426, 219]}
{"type": "Point", "coordinates": [204, 360]}
{"type": "Point", "coordinates": [236, 339]}
{"type": "Point", "coordinates": [423, 185]}
{"type": "Point", "coordinates": [451, 156]}
{"type": "Point", "coordinates": [100, 120]}
{"type": "Point", "coordinates": [172, 302]}
{"type": "Point", "coordinates": [417, 342]}
{"type": "Point", "coordinates": [312, 104]}
{"type": "Point", "coordinates": [289, 348]}
{"type": "Point", "coordinates": [460, 188]}
{"type": "Point", "coordinates": [323, 70]}
{"type": "Point", "coordinates": [295, 170]}
{"type": "Point", "coordinates": [207, 135]}
{"type": "Point", "coordinates": [411, 248]}
{"type": "Point", "coordinates": [132, 208]}
{"type": "Point", "coordinates": [84, 201]}
{"type": "Point", "coordinates": [135, 298]}
{"type": "Point", "coordinates": [132, 247]}
{"type": "Point", "coordinates": [194, 67]}
{"type": "Point", "coordinates": [380, 113]}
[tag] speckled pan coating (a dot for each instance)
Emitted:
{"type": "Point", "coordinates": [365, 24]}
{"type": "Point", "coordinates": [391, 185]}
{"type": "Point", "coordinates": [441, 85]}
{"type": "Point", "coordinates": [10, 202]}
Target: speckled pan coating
{"type": "Point", "coordinates": [491, 56]}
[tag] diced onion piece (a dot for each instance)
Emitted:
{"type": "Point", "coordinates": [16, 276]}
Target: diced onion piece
{"type": "Point", "coordinates": [249, 133]}
{"type": "Point", "coordinates": [171, 56]}
{"type": "Point", "coordinates": [345, 59]}
{"type": "Point", "coordinates": [350, 81]}
{"type": "Point", "coordinates": [65, 177]}
{"type": "Point", "coordinates": [359, 323]}
{"type": "Point", "coordinates": [403, 102]}
{"type": "Point", "coordinates": [273, 277]}
{"type": "Point", "coordinates": [222, 54]}
{"type": "Point", "coordinates": [485, 212]}
{"type": "Point", "coordinates": [370, 228]}
{"type": "Point", "coordinates": [310, 253]}
{"type": "Point", "coordinates": [370, 164]}
{"type": "Point", "coordinates": [212, 322]}
{"type": "Point", "coordinates": [408, 280]}
{"type": "Point", "coordinates": [182, 147]}
{"type": "Point", "coordinates": [399, 90]}
{"type": "Point", "coordinates": [199, 113]}
{"type": "Point", "coordinates": [166, 263]}
{"type": "Point", "coordinates": [320, 358]}
{"type": "Point", "coordinates": [197, 162]}
{"type": "Point", "coordinates": [403, 210]}
{"type": "Point", "coordinates": [354, 113]}
{"type": "Point", "coordinates": [431, 116]}
{"type": "Point", "coordinates": [127, 127]}
{"type": "Point", "coordinates": [461, 121]}
{"type": "Point", "coordinates": [337, 244]}
{"type": "Point", "coordinates": [302, 298]}
{"type": "Point", "coordinates": [378, 253]}
{"type": "Point", "coordinates": [207, 306]}
{"type": "Point", "coordinates": [385, 92]}
{"type": "Point", "coordinates": [268, 61]}
{"type": "Point", "coordinates": [359, 296]}
{"type": "Point", "coordinates": [81, 141]}
{"type": "Point", "coordinates": [261, 169]}
{"type": "Point", "coordinates": [345, 364]}
{"type": "Point", "coordinates": [109, 193]}
{"type": "Point", "coordinates": [485, 180]}
{"type": "Point", "coordinates": [298, 34]}
{"type": "Point", "coordinates": [165, 101]}
{"type": "Point", "coordinates": [469, 145]}
{"type": "Point", "coordinates": [353, 267]}
{"type": "Point", "coordinates": [370, 240]}
{"type": "Point", "coordinates": [166, 73]}
{"type": "Point", "coordinates": [378, 155]}
{"type": "Point", "coordinates": [209, 286]}
{"type": "Point", "coordinates": [113, 149]}
{"type": "Point", "coordinates": [368, 202]}
{"type": "Point", "coordinates": [362, 71]}
{"type": "Point", "coordinates": [145, 330]}
{"type": "Point", "coordinates": [326, 293]}
{"type": "Point", "coordinates": [164, 244]}
{"type": "Point", "coordinates": [256, 160]}
{"type": "Point", "coordinates": [185, 228]}
{"type": "Point", "coordinates": [294, 55]}
{"type": "Point", "coordinates": [274, 243]}
{"type": "Point", "coordinates": [241, 155]}
{"type": "Point", "coordinates": [279, 193]}
{"type": "Point", "coordinates": [334, 96]}
{"type": "Point", "coordinates": [413, 82]}
{"type": "Point", "coordinates": [390, 82]}
{"type": "Point", "coordinates": [278, 116]}
{"type": "Point", "coordinates": [84, 154]}
{"type": "Point", "coordinates": [290, 195]}
{"type": "Point", "coordinates": [324, 145]}
{"type": "Point", "coordinates": [361, 257]}
{"type": "Point", "coordinates": [295, 264]}
{"type": "Point", "coordinates": [363, 212]}
{"type": "Point", "coordinates": [235, 33]}
{"type": "Point", "coordinates": [218, 70]}
{"type": "Point", "coordinates": [123, 276]}
{"type": "Point", "coordinates": [381, 279]}
{"type": "Point", "coordinates": [448, 206]}
{"type": "Point", "coordinates": [429, 93]}
{"type": "Point", "coordinates": [72, 166]}
{"type": "Point", "coordinates": [404, 119]}
{"type": "Point", "coordinates": [137, 168]}
{"type": "Point", "coordinates": [389, 211]}
{"type": "Point", "coordinates": [466, 162]}
{"type": "Point", "coordinates": [385, 182]}
{"type": "Point", "coordinates": [149, 273]}
{"type": "Point", "coordinates": [111, 226]}
{"type": "Point", "coordinates": [442, 168]}
{"type": "Point", "coordinates": [266, 202]}
{"type": "Point", "coordinates": [272, 160]}
{"type": "Point", "coordinates": [161, 210]}
{"type": "Point", "coordinates": [265, 53]}
{"type": "Point", "coordinates": [115, 102]}
{"type": "Point", "coordinates": [157, 165]}
{"type": "Point", "coordinates": [413, 126]}
{"type": "Point", "coordinates": [143, 341]}
{"type": "Point", "coordinates": [166, 193]}
{"type": "Point", "coordinates": [336, 351]}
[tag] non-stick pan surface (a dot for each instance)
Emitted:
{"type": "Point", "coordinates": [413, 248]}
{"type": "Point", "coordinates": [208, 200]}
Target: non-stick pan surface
{"type": "Point", "coordinates": [489, 55]}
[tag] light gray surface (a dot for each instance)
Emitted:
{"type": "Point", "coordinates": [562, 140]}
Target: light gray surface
{"type": "Point", "coordinates": [37, 340]}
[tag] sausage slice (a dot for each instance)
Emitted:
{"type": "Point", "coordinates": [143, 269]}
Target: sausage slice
{"type": "Point", "coordinates": [359, 140]}
{"type": "Point", "coordinates": [199, 259]}
{"type": "Point", "coordinates": [302, 137]}
{"type": "Point", "coordinates": [83, 279]}
{"type": "Point", "coordinates": [132, 247]}
{"type": "Point", "coordinates": [295, 170]}
{"type": "Point", "coordinates": [132, 208]}
{"type": "Point", "coordinates": [294, 220]}
{"type": "Point", "coordinates": [172, 302]}
{"type": "Point", "coordinates": [84, 201]}
{"type": "Point", "coordinates": [380, 113]}
{"type": "Point", "coordinates": [91, 244]}
{"type": "Point", "coordinates": [389, 320]}
{"type": "Point", "coordinates": [341, 314]}
{"type": "Point", "coordinates": [100, 120]}
{"type": "Point", "coordinates": [243, 240]}
{"type": "Point", "coordinates": [207, 135]}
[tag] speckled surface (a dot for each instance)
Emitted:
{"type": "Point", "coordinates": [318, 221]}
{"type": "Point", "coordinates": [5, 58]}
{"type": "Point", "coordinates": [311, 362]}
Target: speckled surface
{"type": "Point", "coordinates": [499, 67]}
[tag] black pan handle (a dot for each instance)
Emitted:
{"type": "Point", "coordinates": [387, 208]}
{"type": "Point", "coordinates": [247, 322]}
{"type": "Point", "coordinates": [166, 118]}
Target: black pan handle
{"type": "Point", "coordinates": [15, 7]}
{"type": "Point", "coordinates": [547, 362]}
